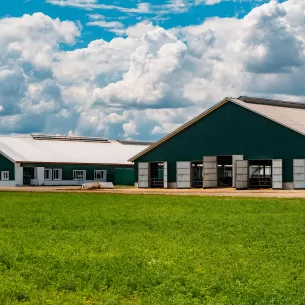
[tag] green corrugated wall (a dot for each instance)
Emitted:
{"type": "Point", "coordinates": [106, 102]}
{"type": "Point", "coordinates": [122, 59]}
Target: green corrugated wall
{"type": "Point", "coordinates": [7, 165]}
{"type": "Point", "coordinates": [67, 170]}
{"type": "Point", "coordinates": [124, 176]}
{"type": "Point", "coordinates": [230, 130]}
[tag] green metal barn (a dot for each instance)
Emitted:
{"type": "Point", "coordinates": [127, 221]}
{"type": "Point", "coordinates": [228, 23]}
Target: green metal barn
{"type": "Point", "coordinates": [240, 142]}
{"type": "Point", "coordinates": [62, 160]}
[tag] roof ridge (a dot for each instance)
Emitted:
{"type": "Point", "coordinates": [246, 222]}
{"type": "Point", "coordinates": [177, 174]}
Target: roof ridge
{"type": "Point", "coordinates": [271, 102]}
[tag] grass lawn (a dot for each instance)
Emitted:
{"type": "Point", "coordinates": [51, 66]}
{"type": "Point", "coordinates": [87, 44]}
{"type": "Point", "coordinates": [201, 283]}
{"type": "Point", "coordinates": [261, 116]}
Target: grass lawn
{"type": "Point", "coordinates": [65, 248]}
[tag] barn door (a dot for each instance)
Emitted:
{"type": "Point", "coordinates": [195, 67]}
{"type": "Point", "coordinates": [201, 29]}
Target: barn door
{"type": "Point", "coordinates": [18, 175]}
{"type": "Point", "coordinates": [242, 174]}
{"type": "Point", "coordinates": [183, 175]}
{"type": "Point", "coordinates": [143, 172]}
{"type": "Point", "coordinates": [299, 174]}
{"type": "Point", "coordinates": [165, 170]}
{"type": "Point", "coordinates": [234, 159]}
{"type": "Point", "coordinates": [277, 174]}
{"type": "Point", "coordinates": [210, 172]}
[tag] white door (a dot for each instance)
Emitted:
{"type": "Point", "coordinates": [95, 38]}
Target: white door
{"type": "Point", "coordinates": [143, 173]}
{"type": "Point", "coordinates": [40, 175]}
{"type": "Point", "coordinates": [242, 174]}
{"type": "Point", "coordinates": [277, 174]}
{"type": "Point", "coordinates": [165, 175]}
{"type": "Point", "coordinates": [210, 172]}
{"type": "Point", "coordinates": [299, 174]}
{"type": "Point", "coordinates": [234, 159]}
{"type": "Point", "coordinates": [183, 175]}
{"type": "Point", "coordinates": [18, 175]}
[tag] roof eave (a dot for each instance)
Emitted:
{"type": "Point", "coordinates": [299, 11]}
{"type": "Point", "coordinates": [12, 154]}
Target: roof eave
{"type": "Point", "coordinates": [74, 163]}
{"type": "Point", "coordinates": [7, 156]}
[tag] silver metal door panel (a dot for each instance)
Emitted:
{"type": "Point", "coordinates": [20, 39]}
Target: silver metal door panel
{"type": "Point", "coordinates": [143, 165]}
{"type": "Point", "coordinates": [298, 185]}
{"type": "Point", "coordinates": [234, 159]}
{"type": "Point", "coordinates": [183, 185]}
{"type": "Point", "coordinates": [299, 162]}
{"type": "Point", "coordinates": [299, 177]}
{"type": "Point", "coordinates": [183, 174]}
{"type": "Point", "coordinates": [184, 165]}
{"type": "Point", "coordinates": [242, 170]}
{"type": "Point", "coordinates": [143, 169]}
{"type": "Point", "coordinates": [210, 172]}
{"type": "Point", "coordinates": [210, 159]}
{"type": "Point", "coordinates": [210, 165]}
{"type": "Point", "coordinates": [299, 174]}
{"type": "Point", "coordinates": [277, 174]}
{"type": "Point", "coordinates": [165, 170]}
{"type": "Point", "coordinates": [242, 176]}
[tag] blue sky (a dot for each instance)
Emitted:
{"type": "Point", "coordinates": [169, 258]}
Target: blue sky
{"type": "Point", "coordinates": [140, 69]}
{"type": "Point", "coordinates": [192, 15]}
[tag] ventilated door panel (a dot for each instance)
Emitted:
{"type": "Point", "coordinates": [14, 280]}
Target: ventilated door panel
{"type": "Point", "coordinates": [277, 174]}
{"type": "Point", "coordinates": [242, 174]}
{"type": "Point", "coordinates": [234, 159]}
{"type": "Point", "coordinates": [209, 172]}
{"type": "Point", "coordinates": [299, 174]}
{"type": "Point", "coordinates": [143, 174]}
{"type": "Point", "coordinates": [183, 175]}
{"type": "Point", "coordinates": [165, 175]}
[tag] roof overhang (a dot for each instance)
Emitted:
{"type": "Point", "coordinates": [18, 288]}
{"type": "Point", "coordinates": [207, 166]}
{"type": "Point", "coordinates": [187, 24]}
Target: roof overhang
{"type": "Point", "coordinates": [73, 163]}
{"type": "Point", "coordinates": [7, 156]}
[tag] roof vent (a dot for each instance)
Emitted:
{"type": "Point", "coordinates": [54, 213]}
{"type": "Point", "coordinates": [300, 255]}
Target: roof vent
{"type": "Point", "coordinates": [68, 138]}
{"type": "Point", "coordinates": [135, 142]}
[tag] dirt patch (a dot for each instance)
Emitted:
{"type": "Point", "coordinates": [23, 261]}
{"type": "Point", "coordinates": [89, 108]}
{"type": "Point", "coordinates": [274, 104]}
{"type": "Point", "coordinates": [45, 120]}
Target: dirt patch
{"type": "Point", "coordinates": [198, 192]}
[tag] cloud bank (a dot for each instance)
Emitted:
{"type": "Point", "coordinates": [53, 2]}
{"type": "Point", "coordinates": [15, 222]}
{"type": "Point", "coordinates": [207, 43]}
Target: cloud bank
{"type": "Point", "coordinates": [151, 80]}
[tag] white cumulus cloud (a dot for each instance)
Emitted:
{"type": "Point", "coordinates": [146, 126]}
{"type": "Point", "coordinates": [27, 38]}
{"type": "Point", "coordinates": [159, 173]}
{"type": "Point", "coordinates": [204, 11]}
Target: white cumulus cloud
{"type": "Point", "coordinates": [151, 80]}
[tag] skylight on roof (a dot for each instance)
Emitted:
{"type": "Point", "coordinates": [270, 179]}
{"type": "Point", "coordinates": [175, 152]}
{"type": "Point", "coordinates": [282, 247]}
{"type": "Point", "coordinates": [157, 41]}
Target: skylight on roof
{"type": "Point", "coordinates": [68, 138]}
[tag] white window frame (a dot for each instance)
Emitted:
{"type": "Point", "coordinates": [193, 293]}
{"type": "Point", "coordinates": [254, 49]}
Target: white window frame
{"type": "Point", "coordinates": [5, 175]}
{"type": "Point", "coordinates": [83, 175]}
{"type": "Point", "coordinates": [100, 171]}
{"type": "Point", "coordinates": [59, 174]}
{"type": "Point", "coordinates": [50, 174]}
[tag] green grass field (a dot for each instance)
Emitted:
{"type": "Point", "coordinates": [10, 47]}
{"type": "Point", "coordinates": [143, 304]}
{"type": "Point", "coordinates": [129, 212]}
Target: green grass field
{"type": "Point", "coordinates": [137, 249]}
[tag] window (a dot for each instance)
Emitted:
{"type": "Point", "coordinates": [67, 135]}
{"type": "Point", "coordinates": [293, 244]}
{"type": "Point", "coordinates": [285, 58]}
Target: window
{"type": "Point", "coordinates": [47, 174]}
{"type": "Point", "coordinates": [79, 175]}
{"type": "Point", "coordinates": [57, 174]}
{"type": "Point", "coordinates": [5, 175]}
{"type": "Point", "coordinates": [100, 175]}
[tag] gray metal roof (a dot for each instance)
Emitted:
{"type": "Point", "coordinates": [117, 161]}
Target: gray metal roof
{"type": "Point", "coordinates": [288, 114]}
